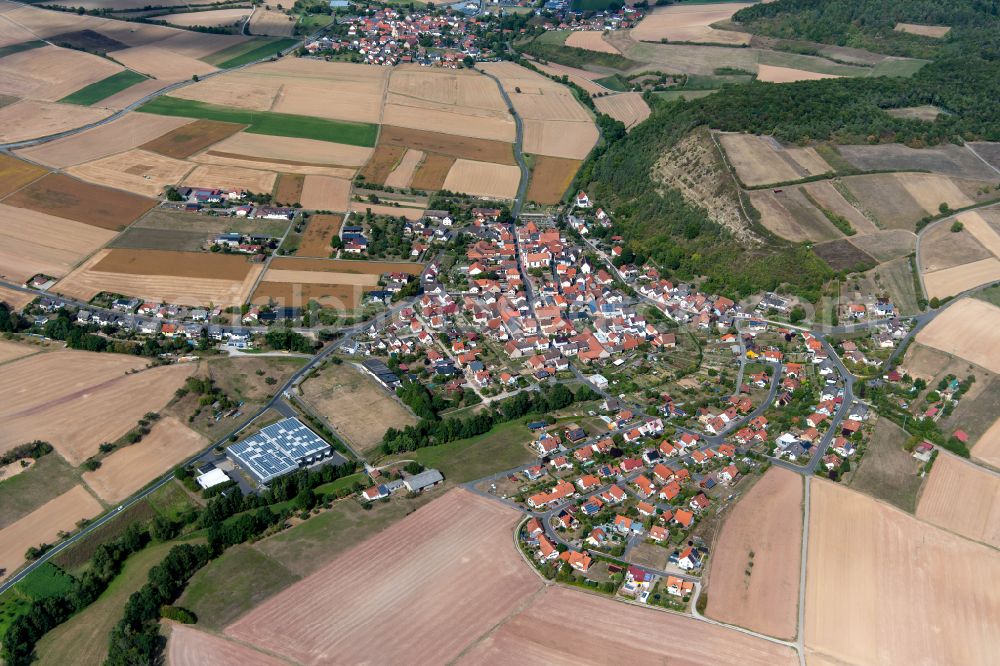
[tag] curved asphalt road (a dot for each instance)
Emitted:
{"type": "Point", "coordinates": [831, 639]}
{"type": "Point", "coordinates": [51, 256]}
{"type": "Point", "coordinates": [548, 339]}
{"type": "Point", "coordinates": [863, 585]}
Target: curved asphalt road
{"type": "Point", "coordinates": [522, 186]}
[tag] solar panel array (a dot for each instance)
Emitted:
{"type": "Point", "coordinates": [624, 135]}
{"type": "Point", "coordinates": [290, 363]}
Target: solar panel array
{"type": "Point", "coordinates": [278, 449]}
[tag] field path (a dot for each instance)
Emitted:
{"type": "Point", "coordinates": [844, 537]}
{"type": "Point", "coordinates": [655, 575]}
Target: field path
{"type": "Point", "coordinates": [522, 186]}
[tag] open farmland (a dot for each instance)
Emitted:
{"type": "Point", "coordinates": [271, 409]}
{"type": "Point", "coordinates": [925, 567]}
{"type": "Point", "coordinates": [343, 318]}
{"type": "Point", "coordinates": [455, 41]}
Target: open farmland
{"type": "Point", "coordinates": [432, 560]}
{"type": "Point", "coordinates": [590, 40]}
{"type": "Point", "coordinates": [212, 175]}
{"type": "Point", "coordinates": [130, 131]}
{"type": "Point", "coordinates": [126, 470]}
{"type": "Point", "coordinates": [39, 243]}
{"type": "Point", "coordinates": [754, 575]}
{"type": "Point", "coordinates": [928, 607]}
{"type": "Point", "coordinates": [384, 160]}
{"type": "Point", "coordinates": [29, 119]}
{"type": "Point", "coordinates": [887, 245]}
{"type": "Point", "coordinates": [319, 232]}
{"type": "Point", "coordinates": [450, 101]}
{"type": "Point", "coordinates": [776, 74]}
{"type": "Point", "coordinates": [402, 175]}
{"type": "Point", "coordinates": [987, 448]}
{"type": "Point", "coordinates": [325, 193]}
{"type": "Point", "coordinates": [273, 22]}
{"type": "Point", "coordinates": [432, 172]}
{"type": "Point", "coordinates": [459, 147]}
{"type": "Point", "coordinates": [844, 255]}
{"type": "Point", "coordinates": [790, 215]}
{"type": "Point", "coordinates": [627, 107]}
{"type": "Point", "coordinates": [192, 138]}
{"type": "Point", "coordinates": [947, 160]}
{"type": "Point", "coordinates": [358, 409]}
{"type": "Point", "coordinates": [829, 198]}
{"type": "Point", "coordinates": [976, 224]}
{"type": "Point", "coordinates": [887, 199]}
{"type": "Point", "coordinates": [339, 284]}
{"type": "Point", "coordinates": [581, 77]}
{"type": "Point", "coordinates": [495, 181]}
{"type": "Point", "coordinates": [969, 329]}
{"type": "Point", "coordinates": [15, 174]}
{"type": "Point", "coordinates": [887, 471]}
{"type": "Point", "coordinates": [10, 351]}
{"type": "Point", "coordinates": [81, 399]}
{"type": "Point", "coordinates": [105, 88]}
{"type": "Point", "coordinates": [184, 278]}
{"type": "Point", "coordinates": [941, 248]}
{"type": "Point", "coordinates": [551, 178]}
{"type": "Point", "coordinates": [16, 299]}
{"type": "Point", "coordinates": [136, 171]}
{"type": "Point", "coordinates": [213, 17]}
{"type": "Point", "coordinates": [288, 151]}
{"type": "Point", "coordinates": [549, 630]}
{"type": "Point", "coordinates": [690, 23]}
{"type": "Point", "coordinates": [62, 196]}
{"type": "Point", "coordinates": [288, 191]}
{"type": "Point", "coordinates": [51, 73]}
{"type": "Point", "coordinates": [159, 62]}
{"type": "Point", "coordinates": [188, 646]}
{"type": "Point", "coordinates": [936, 31]}
{"type": "Point", "coordinates": [964, 498]}
{"type": "Point", "coordinates": [761, 160]}
{"type": "Point", "coordinates": [44, 525]}
{"type": "Point", "coordinates": [955, 280]}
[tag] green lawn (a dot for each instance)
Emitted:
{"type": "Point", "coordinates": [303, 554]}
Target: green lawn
{"type": "Point", "coordinates": [46, 581]}
{"type": "Point", "coordinates": [267, 122]}
{"type": "Point", "coordinates": [314, 21]}
{"type": "Point", "coordinates": [553, 37]}
{"type": "Point", "coordinates": [249, 51]}
{"type": "Point", "coordinates": [345, 482]}
{"type": "Point", "coordinates": [467, 459]}
{"type": "Point", "coordinates": [48, 478]}
{"type": "Point", "coordinates": [250, 578]}
{"type": "Point", "coordinates": [615, 82]}
{"type": "Point", "coordinates": [11, 49]}
{"type": "Point", "coordinates": [104, 88]}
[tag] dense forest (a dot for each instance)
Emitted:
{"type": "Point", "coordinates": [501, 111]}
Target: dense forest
{"type": "Point", "coordinates": [964, 79]}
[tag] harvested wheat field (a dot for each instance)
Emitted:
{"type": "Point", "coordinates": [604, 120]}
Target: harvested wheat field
{"type": "Point", "coordinates": [570, 140]}
{"type": "Point", "coordinates": [15, 174]}
{"type": "Point", "coordinates": [128, 469]}
{"type": "Point", "coordinates": [761, 160]}
{"type": "Point", "coordinates": [937, 31]}
{"type": "Point", "coordinates": [191, 138]}
{"type": "Point", "coordinates": [580, 77]}
{"type": "Point", "coordinates": [62, 196]}
{"type": "Point", "coordinates": [11, 351]}
{"type": "Point", "coordinates": [38, 243]}
{"type": "Point", "coordinates": [827, 196]}
{"type": "Point", "coordinates": [29, 119]}
{"type": "Point", "coordinates": [955, 280]}
{"type": "Point", "coordinates": [410, 213]}
{"type": "Point", "coordinates": [182, 278]}
{"type": "Point", "coordinates": [886, 588]}
{"type": "Point", "coordinates": [233, 160]}
{"type": "Point", "coordinates": [987, 448]}
{"type": "Point", "coordinates": [690, 23]}
{"type": "Point", "coordinates": [629, 107]}
{"type": "Point", "coordinates": [157, 62]}
{"type": "Point", "coordinates": [432, 173]}
{"type": "Point", "coordinates": [137, 171]}
{"type": "Point", "coordinates": [941, 248]}
{"type": "Point", "coordinates": [931, 190]}
{"type": "Point", "coordinates": [267, 21]}
{"type": "Point", "coordinates": [130, 131]}
{"type": "Point", "coordinates": [212, 175]}
{"type": "Point", "coordinates": [78, 401]}
{"type": "Point", "coordinates": [790, 215]}
{"type": "Point", "coordinates": [551, 178]}
{"type": "Point", "coordinates": [211, 18]}
{"type": "Point", "coordinates": [766, 522]}
{"type": "Point", "coordinates": [459, 147]}
{"type": "Point", "coordinates": [298, 295]}
{"type": "Point", "coordinates": [402, 175]}
{"type": "Point", "coordinates": [14, 299]}
{"type": "Point", "coordinates": [338, 284]}
{"type": "Point", "coordinates": [335, 90]}
{"type": "Point", "coordinates": [449, 101]}
{"type": "Point", "coordinates": [969, 329]}
{"type": "Point", "coordinates": [319, 232]}
{"type": "Point", "coordinates": [282, 149]}
{"type": "Point", "coordinates": [383, 161]}
{"type": "Point", "coordinates": [50, 73]}
{"type": "Point", "coordinates": [590, 40]}
{"type": "Point", "coordinates": [288, 191]}
{"type": "Point", "coordinates": [551, 629]}
{"type": "Point", "coordinates": [186, 646]}
{"type": "Point", "coordinates": [440, 578]}
{"type": "Point", "coordinates": [981, 230]}
{"type": "Point", "coordinates": [962, 497]}
{"type": "Point", "coordinates": [237, 90]}
{"type": "Point", "coordinates": [775, 74]}
{"type": "Point", "coordinates": [345, 266]}
{"type": "Point", "coordinates": [357, 408]}
{"type": "Point", "coordinates": [496, 181]}
{"type": "Point", "coordinates": [325, 193]}
{"type": "Point", "coordinates": [43, 525]}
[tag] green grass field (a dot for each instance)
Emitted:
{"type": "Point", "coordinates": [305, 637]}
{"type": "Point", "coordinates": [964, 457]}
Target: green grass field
{"type": "Point", "coordinates": [171, 501]}
{"type": "Point", "coordinates": [48, 478]}
{"type": "Point", "coordinates": [898, 67]}
{"type": "Point", "coordinates": [345, 482]}
{"type": "Point", "coordinates": [76, 558]}
{"type": "Point", "coordinates": [557, 37]}
{"type": "Point", "coordinates": [671, 95]}
{"type": "Point", "coordinates": [104, 88]}
{"type": "Point", "coordinates": [990, 295]}
{"type": "Point", "coordinates": [12, 606]}
{"type": "Point", "coordinates": [250, 578]}
{"type": "Point", "coordinates": [47, 580]}
{"type": "Point", "coordinates": [249, 51]}
{"type": "Point", "coordinates": [267, 122]}
{"type": "Point", "coordinates": [11, 49]}
{"type": "Point", "coordinates": [467, 459]}
{"type": "Point", "coordinates": [615, 82]}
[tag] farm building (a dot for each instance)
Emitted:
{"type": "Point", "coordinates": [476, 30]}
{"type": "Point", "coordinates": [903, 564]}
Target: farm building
{"type": "Point", "coordinates": [212, 478]}
{"type": "Point", "coordinates": [422, 481]}
{"type": "Point", "coordinates": [278, 449]}
{"type": "Point", "coordinates": [381, 372]}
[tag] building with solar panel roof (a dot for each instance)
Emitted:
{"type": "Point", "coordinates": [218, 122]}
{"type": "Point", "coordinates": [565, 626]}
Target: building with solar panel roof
{"type": "Point", "coordinates": [278, 449]}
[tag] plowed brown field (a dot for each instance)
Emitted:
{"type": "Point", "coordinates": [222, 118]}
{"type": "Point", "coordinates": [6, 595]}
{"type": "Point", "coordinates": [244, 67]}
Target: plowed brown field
{"type": "Point", "coordinates": [550, 178]}
{"type": "Point", "coordinates": [432, 173]}
{"type": "Point", "coordinates": [289, 189]}
{"type": "Point", "coordinates": [767, 522]}
{"type": "Point", "coordinates": [192, 138]}
{"type": "Point", "coordinates": [189, 647]}
{"type": "Point", "coordinates": [62, 196]}
{"type": "Point", "coordinates": [482, 150]}
{"type": "Point", "coordinates": [15, 174]}
{"type": "Point", "coordinates": [319, 232]}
